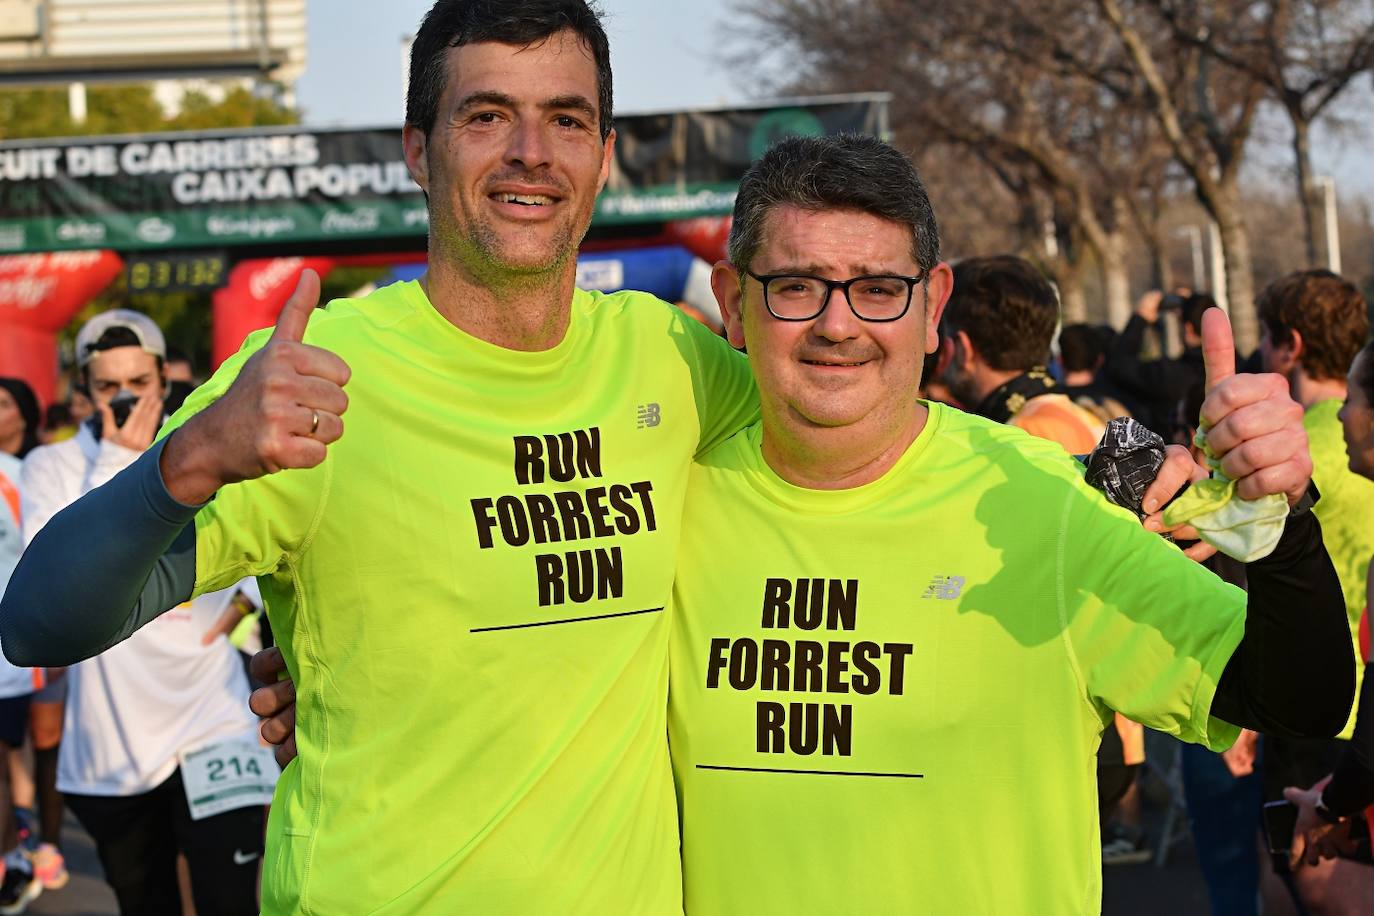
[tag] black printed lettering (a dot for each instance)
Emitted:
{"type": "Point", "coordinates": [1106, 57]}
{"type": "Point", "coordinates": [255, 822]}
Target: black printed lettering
{"type": "Point", "coordinates": [803, 727]}
{"type": "Point", "coordinates": [773, 674]}
{"type": "Point", "coordinates": [720, 648]}
{"type": "Point", "coordinates": [598, 510]}
{"type": "Point", "coordinates": [562, 457]}
{"type": "Point", "coordinates": [744, 664]}
{"type": "Point", "coordinates": [843, 605]}
{"type": "Point", "coordinates": [897, 652]}
{"type": "Point", "coordinates": [837, 730]}
{"type": "Point", "coordinates": [775, 595]}
{"type": "Point", "coordinates": [543, 524]}
{"type": "Point", "coordinates": [588, 451]}
{"type": "Point", "coordinates": [867, 679]}
{"type": "Point", "coordinates": [622, 501]}
{"type": "Point", "coordinates": [644, 488]}
{"type": "Point", "coordinates": [572, 514]}
{"type": "Point", "coordinates": [529, 464]}
{"type": "Point", "coordinates": [768, 726]}
{"type": "Point", "coordinates": [484, 519]}
{"type": "Point", "coordinates": [835, 667]}
{"type": "Point", "coordinates": [510, 512]}
{"type": "Point", "coordinates": [809, 603]}
{"type": "Point", "coordinates": [807, 656]}
{"type": "Point", "coordinates": [548, 568]}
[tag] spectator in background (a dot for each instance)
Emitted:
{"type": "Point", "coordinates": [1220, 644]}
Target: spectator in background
{"type": "Point", "coordinates": [181, 379]}
{"type": "Point", "coordinates": [1082, 354]}
{"type": "Point", "coordinates": [19, 419]}
{"type": "Point", "coordinates": [1156, 386]}
{"type": "Point", "coordinates": [1313, 324]}
{"type": "Point", "coordinates": [995, 346]}
{"type": "Point", "coordinates": [79, 404]}
{"type": "Point", "coordinates": [136, 708]}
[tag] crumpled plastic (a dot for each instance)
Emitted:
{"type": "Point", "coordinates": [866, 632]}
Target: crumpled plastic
{"type": "Point", "coordinates": [1125, 463]}
{"type": "Point", "coordinates": [1246, 529]}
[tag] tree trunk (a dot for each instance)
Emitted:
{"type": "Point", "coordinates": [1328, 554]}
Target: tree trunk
{"type": "Point", "coordinates": [1240, 280]}
{"type": "Point", "coordinates": [1302, 157]}
{"type": "Point", "coordinates": [1116, 279]}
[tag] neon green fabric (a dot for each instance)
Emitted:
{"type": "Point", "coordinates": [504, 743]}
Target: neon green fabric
{"type": "Point", "coordinates": [954, 637]}
{"type": "Point", "coordinates": [1346, 513]}
{"type": "Point", "coordinates": [1244, 529]}
{"type": "Point", "coordinates": [469, 595]}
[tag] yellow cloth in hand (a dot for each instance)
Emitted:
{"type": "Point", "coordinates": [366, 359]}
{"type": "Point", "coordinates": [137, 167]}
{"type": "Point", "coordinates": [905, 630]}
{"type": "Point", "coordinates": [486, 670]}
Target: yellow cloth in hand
{"type": "Point", "coordinates": [1246, 529]}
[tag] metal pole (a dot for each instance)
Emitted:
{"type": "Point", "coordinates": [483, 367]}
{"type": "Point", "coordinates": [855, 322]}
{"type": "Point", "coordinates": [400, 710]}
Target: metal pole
{"type": "Point", "coordinates": [1327, 187]}
{"type": "Point", "coordinates": [1218, 266]}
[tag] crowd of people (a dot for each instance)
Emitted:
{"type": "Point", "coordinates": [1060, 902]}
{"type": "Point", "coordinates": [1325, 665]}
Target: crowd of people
{"type": "Point", "coordinates": [538, 601]}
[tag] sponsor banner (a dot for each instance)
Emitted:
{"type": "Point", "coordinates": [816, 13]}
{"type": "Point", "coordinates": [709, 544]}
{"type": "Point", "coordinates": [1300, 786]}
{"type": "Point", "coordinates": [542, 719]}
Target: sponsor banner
{"type": "Point", "coordinates": [295, 185]}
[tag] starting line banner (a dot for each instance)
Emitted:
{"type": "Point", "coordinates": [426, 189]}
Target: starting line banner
{"type": "Point", "coordinates": [287, 185]}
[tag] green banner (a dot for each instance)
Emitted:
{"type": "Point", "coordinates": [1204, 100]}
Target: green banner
{"type": "Point", "coordinates": [288, 186]}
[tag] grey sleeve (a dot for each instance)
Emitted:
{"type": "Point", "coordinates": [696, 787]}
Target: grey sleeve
{"type": "Point", "coordinates": [100, 569]}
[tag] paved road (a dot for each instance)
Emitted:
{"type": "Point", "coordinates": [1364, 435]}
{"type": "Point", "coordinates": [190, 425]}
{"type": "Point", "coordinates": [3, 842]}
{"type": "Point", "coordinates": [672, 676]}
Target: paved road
{"type": "Point", "coordinates": [1176, 889]}
{"type": "Point", "coordinates": [1128, 890]}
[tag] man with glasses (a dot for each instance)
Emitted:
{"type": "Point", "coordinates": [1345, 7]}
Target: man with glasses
{"type": "Point", "coordinates": [899, 629]}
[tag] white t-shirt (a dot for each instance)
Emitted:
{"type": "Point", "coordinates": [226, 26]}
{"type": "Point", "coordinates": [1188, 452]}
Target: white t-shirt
{"type": "Point", "coordinates": [132, 709]}
{"type": "Point", "coordinates": [14, 682]}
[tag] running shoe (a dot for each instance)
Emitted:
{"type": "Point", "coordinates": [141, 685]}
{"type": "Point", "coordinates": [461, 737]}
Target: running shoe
{"type": "Point", "coordinates": [18, 889]}
{"type": "Point", "coordinates": [49, 867]}
{"type": "Point", "coordinates": [1123, 846]}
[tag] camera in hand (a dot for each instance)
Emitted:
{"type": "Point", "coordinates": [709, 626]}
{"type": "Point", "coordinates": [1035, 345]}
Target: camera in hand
{"type": "Point", "coordinates": [121, 405]}
{"type": "Point", "coordinates": [1172, 302]}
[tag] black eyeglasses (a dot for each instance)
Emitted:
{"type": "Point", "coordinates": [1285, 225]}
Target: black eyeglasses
{"type": "Point", "coordinates": [799, 297]}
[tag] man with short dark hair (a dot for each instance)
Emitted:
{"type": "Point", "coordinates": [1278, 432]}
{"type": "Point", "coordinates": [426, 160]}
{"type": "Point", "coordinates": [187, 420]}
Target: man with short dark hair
{"type": "Point", "coordinates": [888, 688]}
{"type": "Point", "coordinates": [996, 335]}
{"type": "Point", "coordinates": [496, 531]}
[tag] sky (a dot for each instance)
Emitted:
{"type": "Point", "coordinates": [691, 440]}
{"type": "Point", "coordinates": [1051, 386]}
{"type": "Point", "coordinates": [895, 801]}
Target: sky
{"type": "Point", "coordinates": [665, 54]}
{"type": "Point", "coordinates": [662, 53]}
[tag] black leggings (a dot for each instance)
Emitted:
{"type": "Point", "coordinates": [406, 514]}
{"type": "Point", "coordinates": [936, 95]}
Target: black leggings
{"type": "Point", "coordinates": [138, 837]}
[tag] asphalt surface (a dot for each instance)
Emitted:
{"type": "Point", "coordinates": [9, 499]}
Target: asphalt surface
{"type": "Point", "coordinates": [1128, 890]}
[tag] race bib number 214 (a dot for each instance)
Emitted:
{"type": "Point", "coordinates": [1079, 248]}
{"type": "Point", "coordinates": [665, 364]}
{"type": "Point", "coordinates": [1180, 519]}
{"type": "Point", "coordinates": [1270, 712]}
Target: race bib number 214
{"type": "Point", "coordinates": [228, 775]}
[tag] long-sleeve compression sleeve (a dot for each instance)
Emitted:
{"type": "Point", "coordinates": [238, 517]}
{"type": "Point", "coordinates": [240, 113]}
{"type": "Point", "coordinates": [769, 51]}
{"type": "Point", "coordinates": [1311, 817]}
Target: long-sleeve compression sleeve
{"type": "Point", "coordinates": [138, 550]}
{"type": "Point", "coordinates": [1293, 672]}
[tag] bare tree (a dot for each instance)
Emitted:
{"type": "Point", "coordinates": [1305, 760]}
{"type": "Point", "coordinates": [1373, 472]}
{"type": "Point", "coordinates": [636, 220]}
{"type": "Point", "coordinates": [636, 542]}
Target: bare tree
{"type": "Point", "coordinates": [1306, 54]}
{"type": "Point", "coordinates": [1069, 154]}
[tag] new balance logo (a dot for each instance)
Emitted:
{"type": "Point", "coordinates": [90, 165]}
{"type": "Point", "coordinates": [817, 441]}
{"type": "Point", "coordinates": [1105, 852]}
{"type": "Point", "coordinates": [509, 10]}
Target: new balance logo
{"type": "Point", "coordinates": [945, 588]}
{"type": "Point", "coordinates": [649, 416]}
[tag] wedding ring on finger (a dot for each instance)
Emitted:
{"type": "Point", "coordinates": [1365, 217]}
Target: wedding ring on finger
{"type": "Point", "coordinates": [314, 422]}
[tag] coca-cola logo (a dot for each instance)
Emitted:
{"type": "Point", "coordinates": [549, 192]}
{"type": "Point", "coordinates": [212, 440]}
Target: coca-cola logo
{"type": "Point", "coordinates": [26, 292]}
{"type": "Point", "coordinates": [279, 271]}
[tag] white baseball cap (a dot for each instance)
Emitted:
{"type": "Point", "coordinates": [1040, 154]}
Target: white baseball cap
{"type": "Point", "coordinates": [149, 335]}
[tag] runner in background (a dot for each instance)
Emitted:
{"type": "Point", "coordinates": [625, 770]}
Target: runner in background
{"type": "Point", "coordinates": [156, 729]}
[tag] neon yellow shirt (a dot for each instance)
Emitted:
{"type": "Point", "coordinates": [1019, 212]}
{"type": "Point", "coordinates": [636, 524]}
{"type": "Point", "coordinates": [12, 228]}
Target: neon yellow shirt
{"type": "Point", "coordinates": [469, 593]}
{"type": "Point", "coordinates": [889, 698]}
{"type": "Point", "coordinates": [1345, 512]}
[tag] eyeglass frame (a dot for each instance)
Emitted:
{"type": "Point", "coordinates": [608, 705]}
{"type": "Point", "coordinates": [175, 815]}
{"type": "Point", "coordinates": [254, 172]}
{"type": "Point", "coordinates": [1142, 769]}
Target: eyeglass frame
{"type": "Point", "coordinates": [843, 285]}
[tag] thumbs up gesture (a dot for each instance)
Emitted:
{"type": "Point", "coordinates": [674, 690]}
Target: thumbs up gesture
{"type": "Point", "coordinates": [282, 411]}
{"type": "Point", "coordinates": [1253, 424]}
